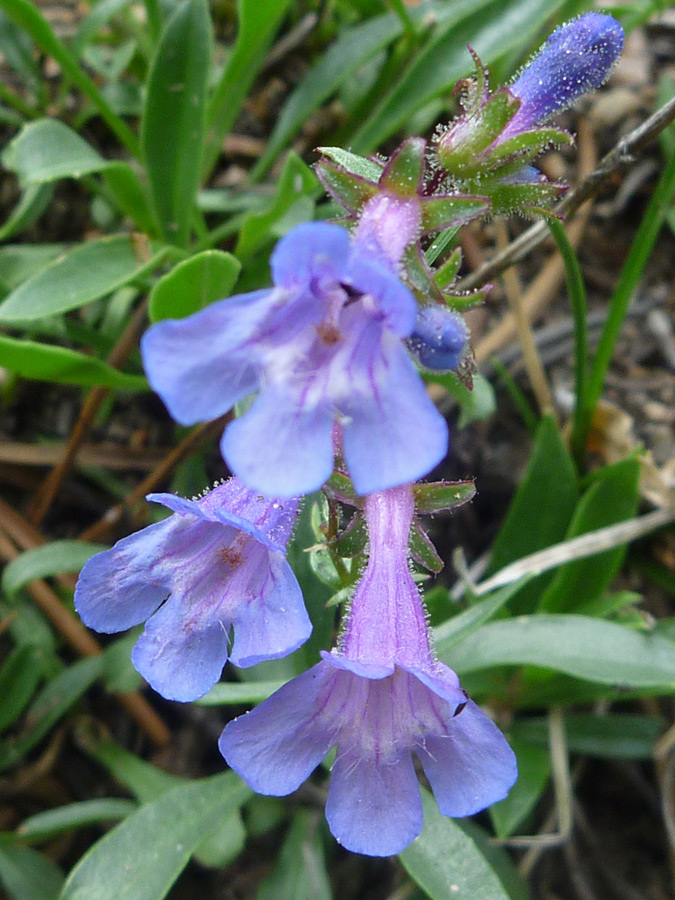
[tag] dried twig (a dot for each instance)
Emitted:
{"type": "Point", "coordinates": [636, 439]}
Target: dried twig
{"type": "Point", "coordinates": [187, 446]}
{"type": "Point", "coordinates": [45, 494]}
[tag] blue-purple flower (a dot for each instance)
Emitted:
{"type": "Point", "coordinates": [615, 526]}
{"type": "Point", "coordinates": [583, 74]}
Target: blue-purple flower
{"type": "Point", "coordinates": [211, 580]}
{"type": "Point", "coordinates": [380, 697]}
{"type": "Point", "coordinates": [440, 339]}
{"type": "Point", "coordinates": [325, 345]}
{"type": "Point", "coordinates": [575, 60]}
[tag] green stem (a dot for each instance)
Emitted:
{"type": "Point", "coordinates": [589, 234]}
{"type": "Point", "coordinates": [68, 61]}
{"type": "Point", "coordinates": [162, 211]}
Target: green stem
{"type": "Point", "coordinates": [576, 289]}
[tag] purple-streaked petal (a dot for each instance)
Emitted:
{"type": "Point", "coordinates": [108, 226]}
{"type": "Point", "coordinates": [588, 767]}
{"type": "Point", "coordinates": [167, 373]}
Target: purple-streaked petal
{"type": "Point", "coordinates": [374, 807]}
{"type": "Point", "coordinates": [277, 745]}
{"type": "Point", "coordinates": [313, 251]}
{"type": "Point", "coordinates": [179, 658]}
{"type": "Point", "coordinates": [392, 297]}
{"type": "Point", "coordinates": [121, 587]}
{"type": "Point", "coordinates": [394, 434]}
{"type": "Point", "coordinates": [199, 365]}
{"type": "Point", "coordinates": [275, 625]}
{"type": "Point", "coordinates": [471, 767]}
{"type": "Point", "coordinates": [278, 447]}
{"type": "Point", "coordinates": [179, 505]}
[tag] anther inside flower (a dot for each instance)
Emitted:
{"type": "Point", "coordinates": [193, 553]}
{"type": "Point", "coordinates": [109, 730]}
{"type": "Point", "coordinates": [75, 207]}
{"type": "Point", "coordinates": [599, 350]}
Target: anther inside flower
{"type": "Point", "coordinates": [214, 567]}
{"type": "Point", "coordinates": [380, 697]}
{"type": "Point", "coordinates": [324, 345]}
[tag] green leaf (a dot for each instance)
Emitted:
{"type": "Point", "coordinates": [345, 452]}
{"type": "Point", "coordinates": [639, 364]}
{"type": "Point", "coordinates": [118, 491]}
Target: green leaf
{"type": "Point", "coordinates": [540, 511]}
{"type": "Point", "coordinates": [534, 771]}
{"type": "Point", "coordinates": [292, 204]}
{"type": "Point", "coordinates": [28, 17]}
{"type": "Point", "coordinates": [193, 284]}
{"type": "Point", "coordinates": [20, 261]}
{"type": "Point", "coordinates": [465, 623]}
{"type": "Point", "coordinates": [148, 783]}
{"type": "Point", "coordinates": [492, 28]}
{"type": "Point", "coordinates": [445, 862]}
{"type": "Point", "coordinates": [300, 873]}
{"type": "Point", "coordinates": [172, 130]}
{"type": "Point", "coordinates": [476, 405]}
{"type": "Point", "coordinates": [611, 736]}
{"type": "Point", "coordinates": [144, 855]}
{"type": "Point", "coordinates": [34, 201]}
{"type": "Point", "coordinates": [19, 678]}
{"type": "Point", "coordinates": [118, 673]}
{"type": "Point", "coordinates": [50, 559]}
{"type": "Point", "coordinates": [47, 150]}
{"type": "Point", "coordinates": [17, 48]}
{"type": "Point", "coordinates": [43, 362]}
{"type": "Point", "coordinates": [27, 874]}
{"type": "Point", "coordinates": [612, 498]}
{"type": "Point", "coordinates": [586, 648]}
{"type": "Point", "coordinates": [239, 694]}
{"type": "Point", "coordinates": [53, 701]}
{"type": "Point", "coordinates": [258, 22]}
{"type": "Point", "coordinates": [345, 57]}
{"type": "Point", "coordinates": [53, 822]}
{"type": "Point", "coordinates": [84, 274]}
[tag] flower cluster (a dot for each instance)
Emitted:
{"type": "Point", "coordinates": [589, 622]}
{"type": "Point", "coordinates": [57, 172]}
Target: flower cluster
{"type": "Point", "coordinates": [331, 350]}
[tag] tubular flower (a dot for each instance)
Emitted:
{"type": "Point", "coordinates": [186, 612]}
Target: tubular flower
{"type": "Point", "coordinates": [324, 345]}
{"type": "Point", "coordinates": [575, 60]}
{"type": "Point", "coordinates": [380, 697]}
{"type": "Point", "coordinates": [215, 566]}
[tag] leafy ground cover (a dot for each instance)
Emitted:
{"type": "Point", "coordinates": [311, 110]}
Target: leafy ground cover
{"type": "Point", "coordinates": [555, 601]}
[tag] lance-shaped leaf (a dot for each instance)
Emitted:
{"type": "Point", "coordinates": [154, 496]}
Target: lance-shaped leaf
{"type": "Point", "coordinates": [446, 212]}
{"type": "Point", "coordinates": [436, 496]}
{"type": "Point", "coordinates": [404, 171]}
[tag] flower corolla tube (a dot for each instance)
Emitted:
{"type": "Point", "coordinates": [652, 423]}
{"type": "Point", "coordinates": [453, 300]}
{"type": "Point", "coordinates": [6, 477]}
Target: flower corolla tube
{"type": "Point", "coordinates": [575, 60]}
{"type": "Point", "coordinates": [217, 566]}
{"type": "Point", "coordinates": [323, 347]}
{"type": "Point", "coordinates": [380, 697]}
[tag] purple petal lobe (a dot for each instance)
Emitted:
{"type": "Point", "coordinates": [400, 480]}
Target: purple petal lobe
{"type": "Point", "coordinates": [393, 298]}
{"type": "Point", "coordinates": [374, 807]}
{"type": "Point", "coordinates": [275, 627]}
{"type": "Point", "coordinates": [200, 366]}
{"type": "Point", "coordinates": [277, 745]}
{"type": "Point", "coordinates": [310, 251]}
{"type": "Point", "coordinates": [280, 447]}
{"type": "Point", "coordinates": [179, 660]}
{"type": "Point", "coordinates": [470, 766]}
{"type": "Point", "coordinates": [121, 587]}
{"type": "Point", "coordinates": [394, 434]}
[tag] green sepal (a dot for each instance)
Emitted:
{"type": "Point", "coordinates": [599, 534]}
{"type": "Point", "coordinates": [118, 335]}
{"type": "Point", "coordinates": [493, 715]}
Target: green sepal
{"type": "Point", "coordinates": [462, 302]}
{"type": "Point", "coordinates": [522, 196]}
{"type": "Point", "coordinates": [446, 212]}
{"type": "Point", "coordinates": [422, 550]}
{"type": "Point", "coordinates": [446, 274]}
{"type": "Point", "coordinates": [404, 171]}
{"type": "Point", "coordinates": [527, 145]}
{"type": "Point", "coordinates": [351, 162]}
{"type": "Point", "coordinates": [349, 190]}
{"type": "Point", "coordinates": [435, 496]}
{"type": "Point", "coordinates": [339, 487]}
{"type": "Point", "coordinates": [419, 276]}
{"type": "Point", "coordinates": [473, 135]}
{"type": "Point", "coordinates": [353, 539]}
